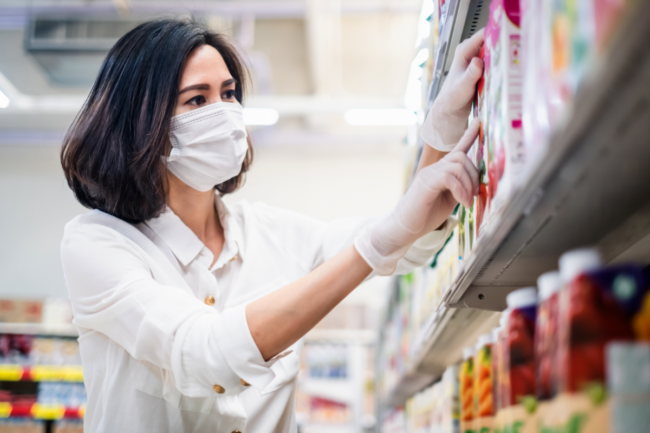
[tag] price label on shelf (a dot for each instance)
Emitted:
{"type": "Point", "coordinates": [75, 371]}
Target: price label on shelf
{"type": "Point", "coordinates": [5, 410]}
{"type": "Point", "coordinates": [43, 373]}
{"type": "Point", "coordinates": [48, 411]}
{"type": "Point", "coordinates": [11, 373]}
{"type": "Point", "coordinates": [73, 374]}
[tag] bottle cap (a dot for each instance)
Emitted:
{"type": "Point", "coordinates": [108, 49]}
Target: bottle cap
{"type": "Point", "coordinates": [522, 298]}
{"type": "Point", "coordinates": [575, 262]}
{"type": "Point", "coordinates": [484, 340]}
{"type": "Point", "coordinates": [548, 284]}
{"type": "Point", "coordinates": [468, 352]}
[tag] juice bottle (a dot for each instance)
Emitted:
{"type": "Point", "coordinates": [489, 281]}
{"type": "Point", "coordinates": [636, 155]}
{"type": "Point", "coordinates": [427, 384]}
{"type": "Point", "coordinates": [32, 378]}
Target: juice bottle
{"type": "Point", "coordinates": [598, 306]}
{"type": "Point", "coordinates": [519, 360]}
{"type": "Point", "coordinates": [495, 369]}
{"type": "Point", "coordinates": [466, 379]}
{"type": "Point", "coordinates": [483, 379]}
{"type": "Point", "coordinates": [500, 371]}
{"type": "Point", "coordinates": [546, 333]}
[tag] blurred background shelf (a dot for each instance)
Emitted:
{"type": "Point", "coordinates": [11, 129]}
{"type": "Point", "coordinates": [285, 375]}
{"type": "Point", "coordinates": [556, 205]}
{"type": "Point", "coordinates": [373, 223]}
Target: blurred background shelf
{"type": "Point", "coordinates": [41, 411]}
{"type": "Point", "coordinates": [41, 373]}
{"type": "Point", "coordinates": [63, 330]}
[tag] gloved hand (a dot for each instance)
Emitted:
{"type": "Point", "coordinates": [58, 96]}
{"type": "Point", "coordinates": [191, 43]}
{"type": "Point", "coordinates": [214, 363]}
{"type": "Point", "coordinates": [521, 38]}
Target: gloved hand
{"type": "Point", "coordinates": [447, 118]}
{"type": "Point", "coordinates": [429, 201]}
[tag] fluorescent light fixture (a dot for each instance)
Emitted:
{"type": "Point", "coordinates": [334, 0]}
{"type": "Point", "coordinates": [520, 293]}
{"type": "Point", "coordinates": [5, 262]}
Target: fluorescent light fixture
{"type": "Point", "coordinates": [4, 101]}
{"type": "Point", "coordinates": [260, 116]}
{"type": "Point", "coordinates": [380, 117]}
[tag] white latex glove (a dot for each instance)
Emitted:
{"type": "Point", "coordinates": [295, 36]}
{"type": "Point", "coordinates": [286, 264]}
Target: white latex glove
{"type": "Point", "coordinates": [447, 118]}
{"type": "Point", "coordinates": [429, 201]}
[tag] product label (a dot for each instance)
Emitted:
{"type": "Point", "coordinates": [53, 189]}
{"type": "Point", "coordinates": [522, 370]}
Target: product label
{"type": "Point", "coordinates": [512, 419]}
{"type": "Point", "coordinates": [574, 413]}
{"type": "Point", "coordinates": [11, 373]}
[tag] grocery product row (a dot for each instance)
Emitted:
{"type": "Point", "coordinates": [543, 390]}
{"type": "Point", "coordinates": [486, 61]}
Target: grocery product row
{"type": "Point", "coordinates": [45, 400]}
{"type": "Point", "coordinates": [572, 354]}
{"type": "Point", "coordinates": [335, 391]}
{"type": "Point", "coordinates": [32, 350]}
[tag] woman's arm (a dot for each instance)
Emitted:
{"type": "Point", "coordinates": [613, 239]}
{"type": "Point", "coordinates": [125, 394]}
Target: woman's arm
{"type": "Point", "coordinates": [278, 320]}
{"type": "Point", "coordinates": [281, 318]}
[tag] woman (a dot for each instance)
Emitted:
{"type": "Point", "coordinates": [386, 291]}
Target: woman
{"type": "Point", "coordinates": [191, 313]}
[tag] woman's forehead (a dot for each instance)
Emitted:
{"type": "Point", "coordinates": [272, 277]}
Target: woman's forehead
{"type": "Point", "coordinates": [204, 63]}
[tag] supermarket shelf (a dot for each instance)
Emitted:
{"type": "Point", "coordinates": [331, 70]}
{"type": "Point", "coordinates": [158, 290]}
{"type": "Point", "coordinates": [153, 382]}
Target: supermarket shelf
{"type": "Point", "coordinates": [591, 187]}
{"type": "Point", "coordinates": [464, 18]}
{"type": "Point", "coordinates": [339, 390]}
{"type": "Point", "coordinates": [41, 373]}
{"type": "Point", "coordinates": [41, 411]}
{"type": "Point", "coordinates": [39, 329]}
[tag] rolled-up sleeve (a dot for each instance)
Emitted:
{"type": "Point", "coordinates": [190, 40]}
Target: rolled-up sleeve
{"type": "Point", "coordinates": [113, 291]}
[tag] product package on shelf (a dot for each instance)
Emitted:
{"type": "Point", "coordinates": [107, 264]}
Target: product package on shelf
{"type": "Point", "coordinates": [21, 310]}
{"type": "Point", "coordinates": [466, 389]}
{"type": "Point", "coordinates": [546, 331]}
{"type": "Point", "coordinates": [483, 385]}
{"type": "Point", "coordinates": [517, 362]}
{"type": "Point", "coordinates": [561, 42]}
{"type": "Point", "coordinates": [436, 408]}
{"type": "Point", "coordinates": [28, 350]}
{"type": "Point", "coordinates": [603, 315]}
{"type": "Point", "coordinates": [499, 151]}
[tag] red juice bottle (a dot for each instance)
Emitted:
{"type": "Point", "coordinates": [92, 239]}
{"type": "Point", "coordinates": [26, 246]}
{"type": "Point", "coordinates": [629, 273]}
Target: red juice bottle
{"type": "Point", "coordinates": [519, 362]}
{"type": "Point", "coordinates": [546, 333]}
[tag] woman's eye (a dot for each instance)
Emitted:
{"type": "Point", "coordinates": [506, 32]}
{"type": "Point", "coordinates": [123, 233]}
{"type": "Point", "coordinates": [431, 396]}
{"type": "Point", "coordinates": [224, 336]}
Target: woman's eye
{"type": "Point", "coordinates": [229, 94]}
{"type": "Point", "coordinates": [197, 100]}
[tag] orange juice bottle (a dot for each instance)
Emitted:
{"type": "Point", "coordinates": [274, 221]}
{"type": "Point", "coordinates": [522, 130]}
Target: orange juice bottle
{"type": "Point", "coordinates": [483, 379]}
{"type": "Point", "coordinates": [466, 379]}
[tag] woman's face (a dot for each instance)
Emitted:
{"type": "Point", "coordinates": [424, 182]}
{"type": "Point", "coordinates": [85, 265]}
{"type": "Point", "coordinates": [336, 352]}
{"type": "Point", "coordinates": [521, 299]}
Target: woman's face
{"type": "Point", "coordinates": [205, 80]}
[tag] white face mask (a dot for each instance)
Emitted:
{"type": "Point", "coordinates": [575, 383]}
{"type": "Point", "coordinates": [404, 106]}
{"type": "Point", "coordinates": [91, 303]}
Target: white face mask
{"type": "Point", "coordinates": [208, 145]}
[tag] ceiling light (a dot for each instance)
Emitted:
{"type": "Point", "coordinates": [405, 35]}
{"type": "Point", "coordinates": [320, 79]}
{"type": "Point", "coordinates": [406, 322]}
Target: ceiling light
{"type": "Point", "coordinates": [380, 117]}
{"type": "Point", "coordinates": [260, 116]}
{"type": "Point", "coordinates": [4, 101]}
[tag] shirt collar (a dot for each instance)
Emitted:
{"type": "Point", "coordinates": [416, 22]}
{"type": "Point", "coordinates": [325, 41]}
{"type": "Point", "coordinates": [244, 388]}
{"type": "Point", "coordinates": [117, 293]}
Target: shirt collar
{"type": "Point", "coordinates": [182, 241]}
{"type": "Point", "coordinates": [231, 228]}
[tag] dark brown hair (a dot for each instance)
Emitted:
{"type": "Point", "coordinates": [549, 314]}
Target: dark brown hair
{"type": "Point", "coordinates": [111, 154]}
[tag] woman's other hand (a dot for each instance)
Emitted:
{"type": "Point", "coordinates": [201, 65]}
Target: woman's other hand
{"type": "Point", "coordinates": [447, 118]}
{"type": "Point", "coordinates": [429, 201]}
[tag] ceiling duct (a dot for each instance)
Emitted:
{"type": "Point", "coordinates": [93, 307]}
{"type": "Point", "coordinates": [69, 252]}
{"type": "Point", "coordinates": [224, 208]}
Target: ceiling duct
{"type": "Point", "coordinates": [71, 50]}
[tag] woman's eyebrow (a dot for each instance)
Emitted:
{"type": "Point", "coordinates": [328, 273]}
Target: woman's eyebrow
{"type": "Point", "coordinates": [228, 82]}
{"type": "Point", "coordinates": [195, 87]}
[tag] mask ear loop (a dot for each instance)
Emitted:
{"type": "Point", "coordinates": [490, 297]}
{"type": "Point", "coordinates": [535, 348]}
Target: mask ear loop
{"type": "Point", "coordinates": [175, 154]}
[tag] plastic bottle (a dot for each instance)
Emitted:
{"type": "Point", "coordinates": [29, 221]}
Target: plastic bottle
{"type": "Point", "coordinates": [518, 374]}
{"type": "Point", "coordinates": [483, 379]}
{"type": "Point", "coordinates": [598, 306]}
{"type": "Point", "coordinates": [466, 379]}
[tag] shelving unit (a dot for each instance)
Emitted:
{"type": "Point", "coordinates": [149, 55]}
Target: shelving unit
{"type": "Point", "coordinates": [41, 373]}
{"type": "Point", "coordinates": [49, 412]}
{"type": "Point", "coordinates": [590, 187]}
{"type": "Point", "coordinates": [464, 18]}
{"type": "Point", "coordinates": [39, 329]}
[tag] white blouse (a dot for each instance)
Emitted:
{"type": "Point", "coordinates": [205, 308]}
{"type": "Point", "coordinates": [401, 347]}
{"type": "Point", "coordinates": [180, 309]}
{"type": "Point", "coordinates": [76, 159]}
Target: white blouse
{"type": "Point", "coordinates": [164, 341]}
